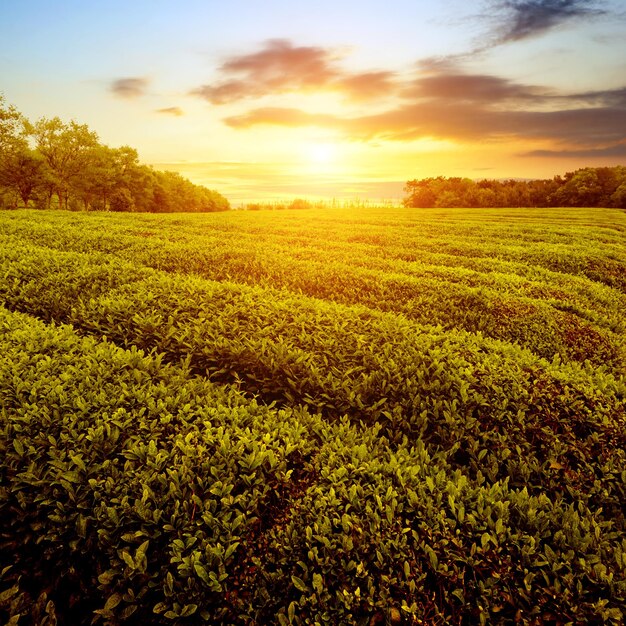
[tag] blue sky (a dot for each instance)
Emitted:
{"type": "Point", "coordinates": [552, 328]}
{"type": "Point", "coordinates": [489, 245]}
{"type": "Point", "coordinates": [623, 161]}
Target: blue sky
{"type": "Point", "coordinates": [275, 99]}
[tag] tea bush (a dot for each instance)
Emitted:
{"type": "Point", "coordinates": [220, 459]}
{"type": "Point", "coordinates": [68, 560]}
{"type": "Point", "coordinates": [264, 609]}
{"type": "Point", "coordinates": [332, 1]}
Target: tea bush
{"type": "Point", "coordinates": [347, 419]}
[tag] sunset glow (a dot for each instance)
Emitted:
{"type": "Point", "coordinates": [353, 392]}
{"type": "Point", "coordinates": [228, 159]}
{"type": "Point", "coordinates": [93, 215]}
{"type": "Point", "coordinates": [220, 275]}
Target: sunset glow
{"type": "Point", "coordinates": [273, 100]}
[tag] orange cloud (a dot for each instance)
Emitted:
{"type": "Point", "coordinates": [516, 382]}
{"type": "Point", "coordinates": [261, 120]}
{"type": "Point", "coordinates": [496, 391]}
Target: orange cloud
{"type": "Point", "coordinates": [441, 102]}
{"type": "Point", "coordinates": [454, 85]}
{"type": "Point", "coordinates": [281, 116]}
{"type": "Point", "coordinates": [367, 85]}
{"type": "Point", "coordinates": [281, 67]}
{"type": "Point", "coordinates": [175, 111]}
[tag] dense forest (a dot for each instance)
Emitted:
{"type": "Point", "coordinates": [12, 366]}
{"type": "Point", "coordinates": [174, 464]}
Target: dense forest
{"type": "Point", "coordinates": [587, 187]}
{"type": "Point", "coordinates": [52, 164]}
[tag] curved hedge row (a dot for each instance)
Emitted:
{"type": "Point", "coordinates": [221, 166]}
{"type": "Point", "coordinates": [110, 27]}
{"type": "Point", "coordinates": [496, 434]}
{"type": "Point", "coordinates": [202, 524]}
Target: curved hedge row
{"type": "Point", "coordinates": [501, 408]}
{"type": "Point", "coordinates": [437, 280]}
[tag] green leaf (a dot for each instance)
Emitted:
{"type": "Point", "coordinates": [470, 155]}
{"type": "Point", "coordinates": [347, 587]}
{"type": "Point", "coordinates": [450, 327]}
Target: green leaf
{"type": "Point", "coordinates": [160, 607]}
{"type": "Point", "coordinates": [291, 611]}
{"type": "Point", "coordinates": [230, 550]}
{"type": "Point", "coordinates": [299, 583]}
{"type": "Point", "coordinates": [237, 522]}
{"type": "Point", "coordinates": [432, 557]}
{"type": "Point", "coordinates": [19, 447]}
{"type": "Point", "coordinates": [128, 559]}
{"type": "Point", "coordinates": [71, 477]}
{"type": "Point", "coordinates": [202, 573]}
{"type": "Point", "coordinates": [318, 583]}
{"type": "Point", "coordinates": [78, 461]}
{"type": "Point", "coordinates": [106, 578]}
{"type": "Point", "coordinates": [142, 549]}
{"type": "Point", "coordinates": [8, 593]}
{"type": "Point", "coordinates": [112, 601]}
{"type": "Point", "coordinates": [188, 609]}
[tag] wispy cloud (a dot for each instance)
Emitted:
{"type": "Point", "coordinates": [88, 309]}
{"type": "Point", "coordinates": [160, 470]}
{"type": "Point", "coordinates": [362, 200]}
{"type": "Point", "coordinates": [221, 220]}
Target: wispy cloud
{"type": "Point", "coordinates": [281, 67]}
{"type": "Point", "coordinates": [522, 19]}
{"type": "Point", "coordinates": [133, 87]}
{"type": "Point", "coordinates": [175, 111]}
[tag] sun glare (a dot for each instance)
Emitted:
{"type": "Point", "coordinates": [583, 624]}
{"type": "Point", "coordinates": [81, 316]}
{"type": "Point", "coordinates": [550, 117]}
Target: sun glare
{"type": "Point", "coordinates": [320, 153]}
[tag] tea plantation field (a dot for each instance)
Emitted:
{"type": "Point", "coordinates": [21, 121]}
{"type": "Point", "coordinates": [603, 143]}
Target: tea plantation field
{"type": "Point", "coordinates": [330, 416]}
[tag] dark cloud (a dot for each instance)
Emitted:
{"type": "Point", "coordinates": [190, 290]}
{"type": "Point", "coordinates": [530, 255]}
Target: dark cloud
{"type": "Point", "coordinates": [617, 150]}
{"type": "Point", "coordinates": [465, 107]}
{"type": "Point", "coordinates": [175, 111]}
{"type": "Point", "coordinates": [457, 86]}
{"type": "Point", "coordinates": [475, 122]}
{"type": "Point", "coordinates": [129, 87]}
{"type": "Point", "coordinates": [281, 67]}
{"type": "Point", "coordinates": [609, 97]}
{"type": "Point", "coordinates": [522, 19]}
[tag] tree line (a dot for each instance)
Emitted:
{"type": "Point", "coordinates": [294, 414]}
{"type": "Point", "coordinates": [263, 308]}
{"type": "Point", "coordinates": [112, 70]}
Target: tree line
{"type": "Point", "coordinates": [53, 164]}
{"type": "Point", "coordinates": [586, 187]}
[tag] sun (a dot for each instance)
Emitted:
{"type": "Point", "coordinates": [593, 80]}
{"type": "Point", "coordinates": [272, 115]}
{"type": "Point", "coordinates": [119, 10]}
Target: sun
{"type": "Point", "coordinates": [321, 153]}
{"type": "Point", "coordinates": [322, 157]}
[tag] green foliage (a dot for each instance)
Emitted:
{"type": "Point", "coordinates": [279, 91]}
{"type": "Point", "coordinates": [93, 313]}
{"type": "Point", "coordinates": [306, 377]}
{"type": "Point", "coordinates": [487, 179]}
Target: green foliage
{"type": "Point", "coordinates": [335, 419]}
{"type": "Point", "coordinates": [531, 288]}
{"type": "Point", "coordinates": [70, 169]}
{"type": "Point", "coordinates": [587, 187]}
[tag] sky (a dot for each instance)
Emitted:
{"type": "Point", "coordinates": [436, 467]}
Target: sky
{"type": "Point", "coordinates": [273, 100]}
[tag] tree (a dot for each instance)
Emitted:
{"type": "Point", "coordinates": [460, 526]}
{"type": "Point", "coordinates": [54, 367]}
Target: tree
{"type": "Point", "coordinates": [67, 150]}
{"type": "Point", "coordinates": [25, 173]}
{"type": "Point", "coordinates": [122, 200]}
{"type": "Point", "coordinates": [593, 187]}
{"type": "Point", "coordinates": [13, 128]}
{"type": "Point", "coordinates": [420, 194]}
{"type": "Point", "coordinates": [618, 198]}
{"type": "Point", "coordinates": [70, 164]}
{"type": "Point", "coordinates": [581, 188]}
{"type": "Point", "coordinates": [13, 143]}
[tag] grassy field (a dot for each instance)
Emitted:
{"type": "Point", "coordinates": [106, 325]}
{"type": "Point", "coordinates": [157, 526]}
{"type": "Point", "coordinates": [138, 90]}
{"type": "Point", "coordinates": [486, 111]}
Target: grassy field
{"type": "Point", "coordinates": [372, 416]}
